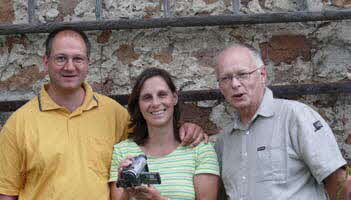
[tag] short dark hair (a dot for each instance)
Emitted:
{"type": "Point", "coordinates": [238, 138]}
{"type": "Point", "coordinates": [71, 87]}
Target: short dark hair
{"type": "Point", "coordinates": [138, 124]}
{"type": "Point", "coordinates": [51, 36]}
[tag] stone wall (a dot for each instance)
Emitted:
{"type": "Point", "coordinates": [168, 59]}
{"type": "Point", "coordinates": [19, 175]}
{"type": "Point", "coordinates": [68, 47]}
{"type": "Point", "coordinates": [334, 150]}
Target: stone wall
{"type": "Point", "coordinates": [295, 53]}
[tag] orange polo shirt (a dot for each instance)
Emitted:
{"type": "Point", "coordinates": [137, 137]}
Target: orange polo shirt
{"type": "Point", "coordinates": [48, 153]}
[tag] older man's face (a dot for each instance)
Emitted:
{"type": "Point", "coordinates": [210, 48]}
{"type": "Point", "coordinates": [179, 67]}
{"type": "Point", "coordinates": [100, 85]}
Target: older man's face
{"type": "Point", "coordinates": [240, 80]}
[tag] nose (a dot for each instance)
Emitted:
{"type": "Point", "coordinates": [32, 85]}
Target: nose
{"type": "Point", "coordinates": [69, 66]}
{"type": "Point", "coordinates": [235, 83]}
{"type": "Point", "coordinates": [155, 101]}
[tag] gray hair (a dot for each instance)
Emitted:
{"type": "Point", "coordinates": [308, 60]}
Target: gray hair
{"type": "Point", "coordinates": [255, 53]}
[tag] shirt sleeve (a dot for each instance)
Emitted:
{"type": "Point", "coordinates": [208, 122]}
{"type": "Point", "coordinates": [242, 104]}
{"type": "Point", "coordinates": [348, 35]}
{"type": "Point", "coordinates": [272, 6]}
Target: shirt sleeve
{"type": "Point", "coordinates": [11, 166]}
{"type": "Point", "coordinates": [206, 159]}
{"type": "Point", "coordinates": [117, 157]}
{"type": "Point", "coordinates": [315, 143]}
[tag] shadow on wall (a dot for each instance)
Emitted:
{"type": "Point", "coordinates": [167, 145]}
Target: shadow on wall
{"type": "Point", "coordinates": [3, 117]}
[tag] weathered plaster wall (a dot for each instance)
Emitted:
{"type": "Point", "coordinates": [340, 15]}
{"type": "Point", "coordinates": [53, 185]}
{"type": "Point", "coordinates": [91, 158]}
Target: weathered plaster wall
{"type": "Point", "coordinates": [312, 52]}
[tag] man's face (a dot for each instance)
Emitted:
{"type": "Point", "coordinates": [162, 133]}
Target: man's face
{"type": "Point", "coordinates": [68, 62]}
{"type": "Point", "coordinates": [240, 81]}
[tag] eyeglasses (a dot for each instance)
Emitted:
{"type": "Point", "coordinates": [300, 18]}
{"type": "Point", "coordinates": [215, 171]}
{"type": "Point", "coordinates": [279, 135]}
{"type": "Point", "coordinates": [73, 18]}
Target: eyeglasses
{"type": "Point", "coordinates": [226, 80]}
{"type": "Point", "coordinates": [62, 59]}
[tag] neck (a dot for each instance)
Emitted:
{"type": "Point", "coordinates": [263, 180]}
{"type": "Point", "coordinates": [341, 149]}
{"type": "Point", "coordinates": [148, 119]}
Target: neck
{"type": "Point", "coordinates": [247, 114]}
{"type": "Point", "coordinates": [71, 99]}
{"type": "Point", "coordinates": [161, 141]}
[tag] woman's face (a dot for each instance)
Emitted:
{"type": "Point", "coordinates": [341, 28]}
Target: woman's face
{"type": "Point", "coordinates": [156, 102]}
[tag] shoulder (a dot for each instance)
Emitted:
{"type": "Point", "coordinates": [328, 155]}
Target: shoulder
{"type": "Point", "coordinates": [127, 144]}
{"type": "Point", "coordinates": [292, 107]}
{"type": "Point", "coordinates": [26, 111]}
{"type": "Point", "coordinates": [110, 104]}
{"type": "Point", "coordinates": [203, 147]}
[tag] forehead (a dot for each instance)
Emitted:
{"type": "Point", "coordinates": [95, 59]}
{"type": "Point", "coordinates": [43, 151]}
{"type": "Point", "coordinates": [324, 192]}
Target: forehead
{"type": "Point", "coordinates": [154, 84]}
{"type": "Point", "coordinates": [234, 60]}
{"type": "Point", "coordinates": [68, 41]}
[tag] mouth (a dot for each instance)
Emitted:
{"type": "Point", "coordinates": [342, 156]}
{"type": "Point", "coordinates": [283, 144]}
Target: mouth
{"type": "Point", "coordinates": [68, 75]}
{"type": "Point", "coordinates": [160, 112]}
{"type": "Point", "coordinates": [238, 95]}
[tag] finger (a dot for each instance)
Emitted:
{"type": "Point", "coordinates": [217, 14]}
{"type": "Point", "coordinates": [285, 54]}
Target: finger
{"type": "Point", "coordinates": [197, 136]}
{"type": "Point", "coordinates": [206, 138]}
{"type": "Point", "coordinates": [187, 134]}
{"type": "Point", "coordinates": [197, 140]}
{"type": "Point", "coordinates": [181, 133]}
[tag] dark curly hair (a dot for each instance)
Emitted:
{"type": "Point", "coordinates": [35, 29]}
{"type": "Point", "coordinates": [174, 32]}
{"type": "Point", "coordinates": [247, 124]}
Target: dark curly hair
{"type": "Point", "coordinates": [138, 124]}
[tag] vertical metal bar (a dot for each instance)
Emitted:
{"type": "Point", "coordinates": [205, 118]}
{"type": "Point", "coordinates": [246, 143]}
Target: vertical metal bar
{"type": "Point", "coordinates": [236, 6]}
{"type": "Point", "coordinates": [31, 10]}
{"type": "Point", "coordinates": [98, 9]}
{"type": "Point", "coordinates": [166, 8]}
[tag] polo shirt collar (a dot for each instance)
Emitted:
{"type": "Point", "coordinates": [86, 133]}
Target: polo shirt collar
{"type": "Point", "coordinates": [46, 103]}
{"type": "Point", "coordinates": [266, 109]}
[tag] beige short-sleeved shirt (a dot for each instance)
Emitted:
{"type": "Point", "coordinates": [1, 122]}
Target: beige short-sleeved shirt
{"type": "Point", "coordinates": [285, 153]}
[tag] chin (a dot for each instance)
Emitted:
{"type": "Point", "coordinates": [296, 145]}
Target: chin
{"type": "Point", "coordinates": [240, 106]}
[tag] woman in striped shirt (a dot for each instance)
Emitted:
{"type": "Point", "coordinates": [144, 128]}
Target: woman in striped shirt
{"type": "Point", "coordinates": [186, 172]}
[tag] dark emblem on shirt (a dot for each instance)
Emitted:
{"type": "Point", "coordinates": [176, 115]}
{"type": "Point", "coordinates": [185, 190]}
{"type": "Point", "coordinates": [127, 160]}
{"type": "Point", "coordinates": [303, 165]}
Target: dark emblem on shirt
{"type": "Point", "coordinates": [317, 125]}
{"type": "Point", "coordinates": [261, 148]}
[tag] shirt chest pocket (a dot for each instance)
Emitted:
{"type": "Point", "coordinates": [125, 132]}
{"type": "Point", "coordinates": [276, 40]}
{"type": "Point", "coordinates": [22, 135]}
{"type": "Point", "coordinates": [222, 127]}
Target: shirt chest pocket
{"type": "Point", "coordinates": [271, 164]}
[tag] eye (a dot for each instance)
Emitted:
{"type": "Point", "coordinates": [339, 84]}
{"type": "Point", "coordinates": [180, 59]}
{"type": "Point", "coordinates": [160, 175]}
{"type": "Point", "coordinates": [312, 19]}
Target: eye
{"type": "Point", "coordinates": [78, 59]}
{"type": "Point", "coordinates": [60, 59]}
{"type": "Point", "coordinates": [163, 94]}
{"type": "Point", "coordinates": [146, 97]}
{"type": "Point", "coordinates": [243, 76]}
{"type": "Point", "coordinates": [225, 78]}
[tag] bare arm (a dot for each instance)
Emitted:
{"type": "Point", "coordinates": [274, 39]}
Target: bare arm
{"type": "Point", "coordinates": [116, 193]}
{"type": "Point", "coordinates": [206, 186]}
{"type": "Point", "coordinates": [6, 197]}
{"type": "Point", "coordinates": [337, 181]}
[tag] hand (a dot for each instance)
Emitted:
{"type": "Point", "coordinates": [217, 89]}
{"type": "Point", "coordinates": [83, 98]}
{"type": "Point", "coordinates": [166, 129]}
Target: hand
{"type": "Point", "coordinates": [145, 193]}
{"type": "Point", "coordinates": [192, 134]}
{"type": "Point", "coordinates": [125, 163]}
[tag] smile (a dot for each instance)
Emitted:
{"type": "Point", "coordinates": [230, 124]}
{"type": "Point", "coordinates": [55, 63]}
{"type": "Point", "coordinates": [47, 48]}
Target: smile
{"type": "Point", "coordinates": [158, 112]}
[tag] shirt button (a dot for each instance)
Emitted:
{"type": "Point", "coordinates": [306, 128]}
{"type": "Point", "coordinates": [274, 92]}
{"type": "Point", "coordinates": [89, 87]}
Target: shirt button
{"type": "Point", "coordinates": [244, 177]}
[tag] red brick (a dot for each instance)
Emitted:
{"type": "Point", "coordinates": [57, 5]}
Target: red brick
{"type": "Point", "coordinates": [103, 87]}
{"type": "Point", "coordinates": [7, 13]}
{"type": "Point", "coordinates": [348, 139]}
{"type": "Point", "coordinates": [206, 56]}
{"type": "Point", "coordinates": [199, 116]}
{"type": "Point", "coordinates": [12, 40]}
{"type": "Point", "coordinates": [23, 80]}
{"type": "Point", "coordinates": [66, 7]}
{"type": "Point", "coordinates": [104, 37]}
{"type": "Point", "coordinates": [341, 3]}
{"type": "Point", "coordinates": [210, 1]}
{"type": "Point", "coordinates": [286, 48]}
{"type": "Point", "coordinates": [126, 54]}
{"type": "Point", "coordinates": [164, 56]}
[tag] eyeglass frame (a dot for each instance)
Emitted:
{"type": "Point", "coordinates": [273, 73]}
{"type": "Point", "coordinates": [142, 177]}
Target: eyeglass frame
{"type": "Point", "coordinates": [85, 59]}
{"type": "Point", "coordinates": [244, 77]}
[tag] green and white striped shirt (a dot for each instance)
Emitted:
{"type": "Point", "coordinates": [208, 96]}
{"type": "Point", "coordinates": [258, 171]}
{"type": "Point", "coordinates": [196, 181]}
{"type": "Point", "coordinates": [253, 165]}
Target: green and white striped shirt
{"type": "Point", "coordinates": [176, 169]}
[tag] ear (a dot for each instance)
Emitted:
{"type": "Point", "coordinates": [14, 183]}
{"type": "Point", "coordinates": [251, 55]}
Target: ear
{"type": "Point", "coordinates": [46, 63]}
{"type": "Point", "coordinates": [175, 96]}
{"type": "Point", "coordinates": [263, 73]}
